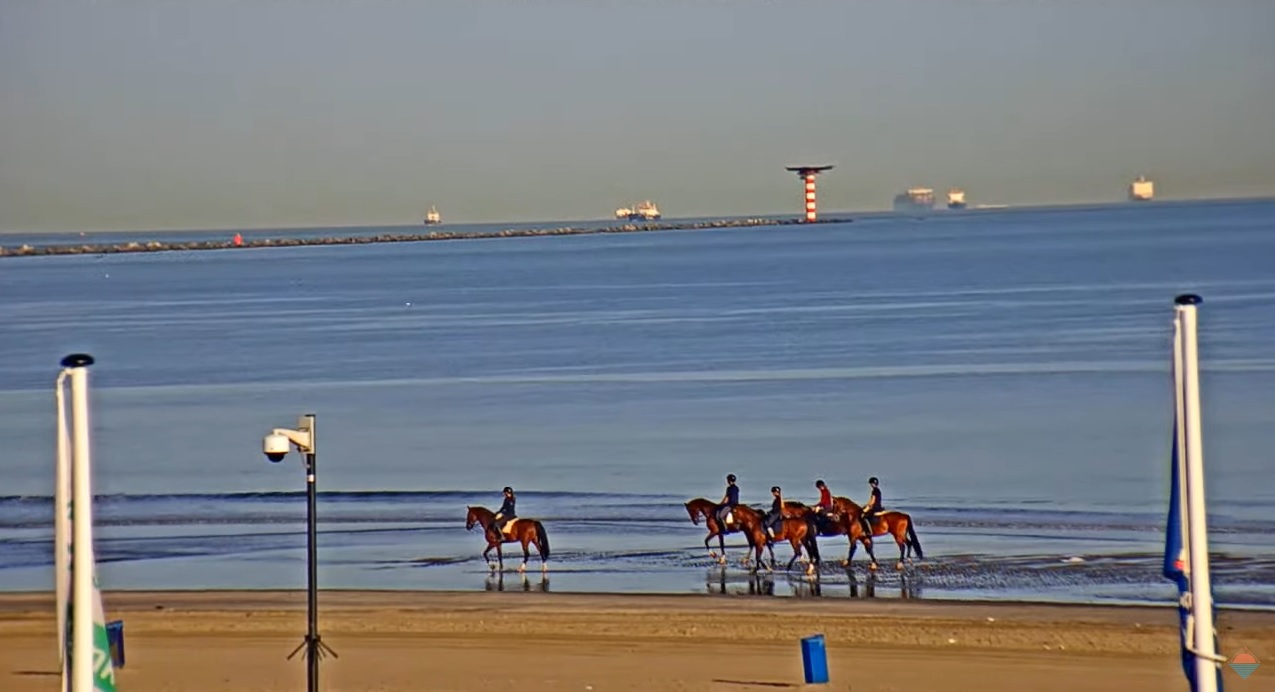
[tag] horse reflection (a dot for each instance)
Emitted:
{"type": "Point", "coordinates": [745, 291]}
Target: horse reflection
{"type": "Point", "coordinates": [908, 588]}
{"type": "Point", "coordinates": [496, 582]}
{"type": "Point", "coordinates": [758, 584]}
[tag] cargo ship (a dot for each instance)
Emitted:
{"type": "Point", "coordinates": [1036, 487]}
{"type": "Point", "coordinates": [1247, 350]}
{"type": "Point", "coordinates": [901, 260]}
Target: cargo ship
{"type": "Point", "coordinates": [646, 211]}
{"type": "Point", "coordinates": [1141, 190]}
{"type": "Point", "coordinates": [955, 198]}
{"type": "Point", "coordinates": [914, 199]}
{"type": "Point", "coordinates": [432, 216]}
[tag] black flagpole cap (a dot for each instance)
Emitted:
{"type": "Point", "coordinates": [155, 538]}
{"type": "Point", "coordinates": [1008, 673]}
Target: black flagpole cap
{"type": "Point", "coordinates": [1188, 299]}
{"type": "Point", "coordinates": [77, 360]}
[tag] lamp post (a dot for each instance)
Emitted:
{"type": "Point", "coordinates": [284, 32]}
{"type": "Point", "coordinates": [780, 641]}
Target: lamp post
{"type": "Point", "coordinates": [276, 446]}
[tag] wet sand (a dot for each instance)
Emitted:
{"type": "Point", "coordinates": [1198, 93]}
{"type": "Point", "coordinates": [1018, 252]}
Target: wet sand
{"type": "Point", "coordinates": [231, 640]}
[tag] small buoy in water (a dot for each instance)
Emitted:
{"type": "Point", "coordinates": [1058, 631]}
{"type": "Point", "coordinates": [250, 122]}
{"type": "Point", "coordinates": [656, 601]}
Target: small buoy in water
{"type": "Point", "coordinates": [1074, 560]}
{"type": "Point", "coordinates": [408, 304]}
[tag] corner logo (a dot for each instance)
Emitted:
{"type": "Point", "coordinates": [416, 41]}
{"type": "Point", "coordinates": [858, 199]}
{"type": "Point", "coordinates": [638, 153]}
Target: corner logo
{"type": "Point", "coordinates": [1244, 663]}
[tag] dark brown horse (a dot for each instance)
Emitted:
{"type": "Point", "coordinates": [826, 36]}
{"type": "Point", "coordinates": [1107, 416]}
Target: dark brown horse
{"type": "Point", "coordinates": [834, 523]}
{"type": "Point", "coordinates": [797, 530]}
{"type": "Point", "coordinates": [890, 522]}
{"type": "Point", "coordinates": [525, 531]}
{"type": "Point", "coordinates": [707, 510]}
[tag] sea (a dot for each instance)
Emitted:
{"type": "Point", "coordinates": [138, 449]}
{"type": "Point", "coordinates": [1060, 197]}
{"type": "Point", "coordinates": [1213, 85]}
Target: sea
{"type": "Point", "coordinates": [1005, 373]}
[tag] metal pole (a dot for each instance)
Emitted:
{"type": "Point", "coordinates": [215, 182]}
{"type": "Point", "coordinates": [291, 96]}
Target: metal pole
{"type": "Point", "coordinates": [82, 541]}
{"type": "Point", "coordinates": [62, 528]}
{"type": "Point", "coordinates": [1201, 589]}
{"type": "Point", "coordinates": [312, 635]}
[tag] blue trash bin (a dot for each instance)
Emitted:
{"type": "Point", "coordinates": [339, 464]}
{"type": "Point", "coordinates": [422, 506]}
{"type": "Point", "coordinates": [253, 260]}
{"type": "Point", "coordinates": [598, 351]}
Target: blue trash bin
{"type": "Point", "coordinates": [115, 638]}
{"type": "Point", "coordinates": [814, 659]}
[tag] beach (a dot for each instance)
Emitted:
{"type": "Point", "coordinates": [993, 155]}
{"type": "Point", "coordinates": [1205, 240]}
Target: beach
{"type": "Point", "coordinates": [239, 640]}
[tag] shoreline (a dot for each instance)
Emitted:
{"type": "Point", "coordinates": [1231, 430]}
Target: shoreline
{"type": "Point", "coordinates": [28, 250]}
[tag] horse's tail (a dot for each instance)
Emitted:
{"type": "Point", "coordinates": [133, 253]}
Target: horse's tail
{"type": "Point", "coordinates": [812, 540]}
{"type": "Point", "coordinates": [542, 541]}
{"type": "Point", "coordinates": [912, 539]}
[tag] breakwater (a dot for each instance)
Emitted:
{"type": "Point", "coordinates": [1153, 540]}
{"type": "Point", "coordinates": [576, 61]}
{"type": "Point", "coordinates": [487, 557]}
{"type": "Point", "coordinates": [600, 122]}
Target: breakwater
{"type": "Point", "coordinates": [29, 250]}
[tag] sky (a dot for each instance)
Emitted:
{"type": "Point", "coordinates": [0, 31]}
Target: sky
{"type": "Point", "coordinates": [138, 114]}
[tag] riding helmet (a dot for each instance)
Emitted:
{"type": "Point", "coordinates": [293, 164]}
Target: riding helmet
{"type": "Point", "coordinates": [730, 478]}
{"type": "Point", "coordinates": [873, 480]}
{"type": "Point", "coordinates": [508, 489]}
{"type": "Point", "coordinates": [819, 483]}
{"type": "Point", "coordinates": [774, 489]}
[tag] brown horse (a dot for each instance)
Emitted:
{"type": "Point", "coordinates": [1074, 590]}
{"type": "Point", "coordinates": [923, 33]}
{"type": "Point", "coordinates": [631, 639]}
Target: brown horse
{"type": "Point", "coordinates": [890, 522]}
{"type": "Point", "coordinates": [707, 509]}
{"type": "Point", "coordinates": [525, 531]}
{"type": "Point", "coordinates": [798, 531]}
{"type": "Point", "coordinates": [836, 523]}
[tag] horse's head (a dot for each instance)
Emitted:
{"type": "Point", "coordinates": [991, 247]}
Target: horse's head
{"type": "Point", "coordinates": [471, 518]}
{"type": "Point", "coordinates": [694, 510]}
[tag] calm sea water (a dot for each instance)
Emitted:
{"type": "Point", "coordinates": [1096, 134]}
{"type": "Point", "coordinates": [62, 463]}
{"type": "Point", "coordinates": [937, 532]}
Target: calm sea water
{"type": "Point", "coordinates": [1005, 374]}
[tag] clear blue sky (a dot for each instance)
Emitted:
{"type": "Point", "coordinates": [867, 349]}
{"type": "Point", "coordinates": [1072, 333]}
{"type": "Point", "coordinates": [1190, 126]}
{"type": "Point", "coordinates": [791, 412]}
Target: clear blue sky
{"type": "Point", "coordinates": [228, 113]}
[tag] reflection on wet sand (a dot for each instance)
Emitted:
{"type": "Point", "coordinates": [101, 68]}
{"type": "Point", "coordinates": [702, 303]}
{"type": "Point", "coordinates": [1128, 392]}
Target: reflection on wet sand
{"type": "Point", "coordinates": [496, 582]}
{"type": "Point", "coordinates": [763, 584]}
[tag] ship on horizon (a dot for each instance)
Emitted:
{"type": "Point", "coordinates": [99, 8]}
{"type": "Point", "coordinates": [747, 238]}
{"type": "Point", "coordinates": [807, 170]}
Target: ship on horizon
{"type": "Point", "coordinates": [1141, 190]}
{"type": "Point", "coordinates": [914, 199]}
{"type": "Point", "coordinates": [956, 198]}
{"type": "Point", "coordinates": [432, 217]}
{"type": "Point", "coordinates": [646, 211]}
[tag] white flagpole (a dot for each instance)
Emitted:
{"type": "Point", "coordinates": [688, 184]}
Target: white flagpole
{"type": "Point", "coordinates": [1201, 589]}
{"type": "Point", "coordinates": [82, 526]}
{"type": "Point", "coordinates": [62, 527]}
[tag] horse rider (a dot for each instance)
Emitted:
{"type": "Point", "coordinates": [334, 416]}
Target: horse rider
{"type": "Point", "coordinates": [776, 513]}
{"type": "Point", "coordinates": [729, 501]}
{"type": "Point", "coordinates": [823, 508]}
{"type": "Point", "coordinates": [873, 507]}
{"type": "Point", "coordinates": [505, 513]}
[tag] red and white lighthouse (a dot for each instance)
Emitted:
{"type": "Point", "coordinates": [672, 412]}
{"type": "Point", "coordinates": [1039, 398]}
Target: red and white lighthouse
{"type": "Point", "coordinates": [807, 174]}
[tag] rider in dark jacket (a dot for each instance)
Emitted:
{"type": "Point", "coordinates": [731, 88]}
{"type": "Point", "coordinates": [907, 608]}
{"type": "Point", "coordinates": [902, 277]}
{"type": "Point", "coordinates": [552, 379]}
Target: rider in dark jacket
{"type": "Point", "coordinates": [873, 506]}
{"type": "Point", "coordinates": [505, 513]}
{"type": "Point", "coordinates": [729, 500]}
{"type": "Point", "coordinates": [776, 513]}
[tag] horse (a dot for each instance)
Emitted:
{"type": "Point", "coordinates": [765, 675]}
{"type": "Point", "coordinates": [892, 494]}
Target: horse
{"type": "Point", "coordinates": [798, 531]}
{"type": "Point", "coordinates": [838, 523]}
{"type": "Point", "coordinates": [702, 507]}
{"type": "Point", "coordinates": [525, 531]}
{"type": "Point", "coordinates": [890, 522]}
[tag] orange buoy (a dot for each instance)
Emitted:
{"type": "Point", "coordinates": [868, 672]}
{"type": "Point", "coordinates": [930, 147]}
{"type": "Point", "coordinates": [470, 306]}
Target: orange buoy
{"type": "Point", "coordinates": [238, 240]}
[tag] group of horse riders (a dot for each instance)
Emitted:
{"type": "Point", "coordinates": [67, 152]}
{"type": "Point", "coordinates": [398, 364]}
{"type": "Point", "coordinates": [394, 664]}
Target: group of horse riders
{"type": "Point", "coordinates": [730, 500]}
{"type": "Point", "coordinates": [823, 509]}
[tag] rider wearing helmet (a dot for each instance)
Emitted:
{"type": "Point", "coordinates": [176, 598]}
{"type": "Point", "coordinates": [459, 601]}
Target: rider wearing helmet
{"type": "Point", "coordinates": [873, 506]}
{"type": "Point", "coordinates": [824, 507]}
{"type": "Point", "coordinates": [729, 500]}
{"type": "Point", "coordinates": [825, 497]}
{"type": "Point", "coordinates": [506, 512]}
{"type": "Point", "coordinates": [776, 513]}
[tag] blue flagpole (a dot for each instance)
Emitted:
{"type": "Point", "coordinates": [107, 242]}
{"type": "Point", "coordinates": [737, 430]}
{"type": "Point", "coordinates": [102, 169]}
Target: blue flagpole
{"type": "Point", "coordinates": [1186, 559]}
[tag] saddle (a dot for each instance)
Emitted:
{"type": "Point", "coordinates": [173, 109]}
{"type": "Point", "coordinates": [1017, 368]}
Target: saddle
{"type": "Point", "coordinates": [506, 529]}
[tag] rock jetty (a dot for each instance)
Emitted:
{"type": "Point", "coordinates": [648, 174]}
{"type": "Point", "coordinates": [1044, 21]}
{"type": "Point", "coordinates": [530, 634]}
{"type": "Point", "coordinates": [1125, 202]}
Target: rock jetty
{"type": "Point", "coordinates": [229, 244]}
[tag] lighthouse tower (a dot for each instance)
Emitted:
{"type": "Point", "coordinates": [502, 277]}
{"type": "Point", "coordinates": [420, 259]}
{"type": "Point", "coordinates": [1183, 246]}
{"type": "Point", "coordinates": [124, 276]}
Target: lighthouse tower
{"type": "Point", "coordinates": [807, 174]}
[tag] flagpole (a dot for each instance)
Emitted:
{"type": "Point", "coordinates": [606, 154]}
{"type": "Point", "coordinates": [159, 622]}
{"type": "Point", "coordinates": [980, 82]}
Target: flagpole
{"type": "Point", "coordinates": [1201, 588]}
{"type": "Point", "coordinates": [82, 527]}
{"type": "Point", "coordinates": [62, 527]}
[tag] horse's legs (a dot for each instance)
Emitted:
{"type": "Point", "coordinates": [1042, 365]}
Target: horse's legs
{"type": "Point", "coordinates": [526, 555]}
{"type": "Point", "coordinates": [796, 551]}
{"type": "Point", "coordinates": [500, 556]}
{"type": "Point", "coordinates": [900, 537]}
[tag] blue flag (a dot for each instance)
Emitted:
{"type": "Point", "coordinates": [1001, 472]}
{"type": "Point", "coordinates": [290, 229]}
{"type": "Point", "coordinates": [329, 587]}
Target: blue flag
{"type": "Point", "coordinates": [1177, 561]}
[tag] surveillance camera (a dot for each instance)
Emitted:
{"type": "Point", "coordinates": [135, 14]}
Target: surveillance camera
{"type": "Point", "coordinates": [276, 447]}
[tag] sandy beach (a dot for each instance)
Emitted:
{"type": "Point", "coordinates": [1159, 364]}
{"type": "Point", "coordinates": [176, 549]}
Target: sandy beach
{"type": "Point", "coordinates": [232, 640]}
